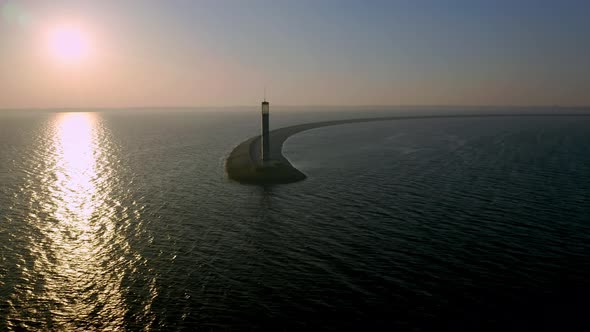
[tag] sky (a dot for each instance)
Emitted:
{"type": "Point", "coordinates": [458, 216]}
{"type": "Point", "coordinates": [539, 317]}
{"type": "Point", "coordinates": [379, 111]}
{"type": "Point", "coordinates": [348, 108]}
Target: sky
{"type": "Point", "coordinates": [152, 53]}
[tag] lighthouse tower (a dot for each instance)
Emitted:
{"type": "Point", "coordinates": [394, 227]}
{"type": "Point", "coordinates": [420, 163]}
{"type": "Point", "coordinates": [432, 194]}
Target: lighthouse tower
{"type": "Point", "coordinates": [265, 137]}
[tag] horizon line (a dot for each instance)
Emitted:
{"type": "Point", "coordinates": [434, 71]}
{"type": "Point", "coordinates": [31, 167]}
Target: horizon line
{"type": "Point", "coordinates": [286, 106]}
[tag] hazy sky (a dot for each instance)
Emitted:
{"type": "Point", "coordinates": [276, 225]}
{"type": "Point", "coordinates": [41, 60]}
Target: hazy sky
{"type": "Point", "coordinates": [307, 52]}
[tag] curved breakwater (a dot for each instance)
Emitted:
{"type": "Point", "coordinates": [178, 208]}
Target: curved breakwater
{"type": "Point", "coordinates": [244, 162]}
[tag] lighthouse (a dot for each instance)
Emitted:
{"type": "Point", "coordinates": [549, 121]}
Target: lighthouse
{"type": "Point", "coordinates": [265, 146]}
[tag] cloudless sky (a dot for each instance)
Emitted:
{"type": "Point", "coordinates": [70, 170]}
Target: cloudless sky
{"type": "Point", "coordinates": [307, 52]}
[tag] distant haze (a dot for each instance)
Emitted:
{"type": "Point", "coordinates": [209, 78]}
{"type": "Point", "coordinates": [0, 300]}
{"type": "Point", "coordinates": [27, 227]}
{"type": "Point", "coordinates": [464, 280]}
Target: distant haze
{"type": "Point", "coordinates": [134, 53]}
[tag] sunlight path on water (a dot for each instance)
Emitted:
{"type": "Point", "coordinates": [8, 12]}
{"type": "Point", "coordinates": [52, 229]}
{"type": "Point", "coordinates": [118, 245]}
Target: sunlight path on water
{"type": "Point", "coordinates": [81, 258]}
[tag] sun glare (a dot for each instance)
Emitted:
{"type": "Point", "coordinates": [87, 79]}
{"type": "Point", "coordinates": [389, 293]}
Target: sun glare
{"type": "Point", "coordinates": [69, 44]}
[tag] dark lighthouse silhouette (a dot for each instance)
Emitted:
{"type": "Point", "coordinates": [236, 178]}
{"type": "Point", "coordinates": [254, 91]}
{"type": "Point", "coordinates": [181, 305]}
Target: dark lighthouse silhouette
{"type": "Point", "coordinates": [265, 132]}
{"type": "Point", "coordinates": [256, 162]}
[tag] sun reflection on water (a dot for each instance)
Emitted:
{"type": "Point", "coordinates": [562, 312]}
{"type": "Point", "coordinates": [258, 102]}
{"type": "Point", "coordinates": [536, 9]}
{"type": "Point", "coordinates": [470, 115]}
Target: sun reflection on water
{"type": "Point", "coordinates": [83, 283]}
{"type": "Point", "coordinates": [76, 168]}
{"type": "Point", "coordinates": [83, 273]}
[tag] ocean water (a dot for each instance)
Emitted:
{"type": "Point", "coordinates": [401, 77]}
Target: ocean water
{"type": "Point", "coordinates": [125, 221]}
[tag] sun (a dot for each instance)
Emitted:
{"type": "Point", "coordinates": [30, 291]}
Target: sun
{"type": "Point", "coordinates": [69, 44]}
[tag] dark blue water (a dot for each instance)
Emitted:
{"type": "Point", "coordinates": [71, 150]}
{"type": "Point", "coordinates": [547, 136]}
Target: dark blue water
{"type": "Point", "coordinates": [121, 221]}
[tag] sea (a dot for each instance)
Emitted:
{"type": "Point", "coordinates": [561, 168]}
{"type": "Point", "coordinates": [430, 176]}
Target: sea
{"type": "Point", "coordinates": [124, 220]}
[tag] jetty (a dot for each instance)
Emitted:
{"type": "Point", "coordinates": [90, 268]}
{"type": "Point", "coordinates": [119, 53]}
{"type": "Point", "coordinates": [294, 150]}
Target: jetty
{"type": "Point", "coordinates": [246, 165]}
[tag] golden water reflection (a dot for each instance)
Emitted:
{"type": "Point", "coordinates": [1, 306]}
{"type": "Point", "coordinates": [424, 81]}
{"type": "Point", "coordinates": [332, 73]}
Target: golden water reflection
{"type": "Point", "coordinates": [87, 256]}
{"type": "Point", "coordinates": [81, 268]}
{"type": "Point", "coordinates": [76, 152]}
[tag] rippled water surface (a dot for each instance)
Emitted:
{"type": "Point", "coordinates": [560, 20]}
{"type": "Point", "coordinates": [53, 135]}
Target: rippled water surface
{"type": "Point", "coordinates": [125, 220]}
